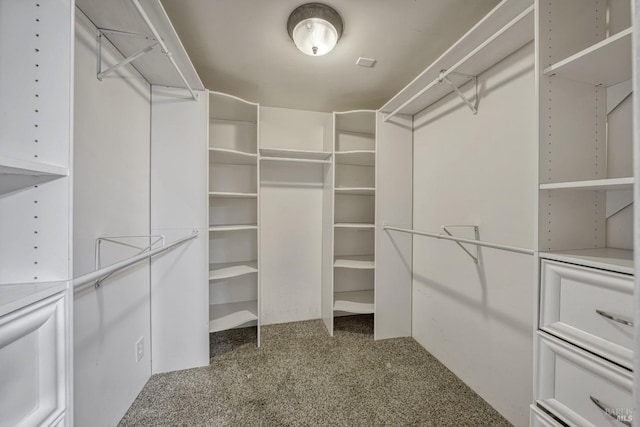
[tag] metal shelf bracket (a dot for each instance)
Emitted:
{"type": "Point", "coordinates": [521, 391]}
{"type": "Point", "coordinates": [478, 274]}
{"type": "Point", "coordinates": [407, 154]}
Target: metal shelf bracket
{"type": "Point", "coordinates": [473, 106]}
{"type": "Point", "coordinates": [131, 58]}
{"type": "Point", "coordinates": [476, 236]}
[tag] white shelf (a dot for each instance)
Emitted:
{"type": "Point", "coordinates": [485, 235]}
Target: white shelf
{"type": "Point", "coordinates": [236, 227]}
{"type": "Point", "coordinates": [17, 174]}
{"type": "Point", "coordinates": [231, 315]}
{"type": "Point", "coordinates": [605, 63]}
{"type": "Point", "coordinates": [356, 191]}
{"type": "Point", "coordinates": [502, 45]}
{"type": "Point", "coordinates": [231, 157]}
{"type": "Point", "coordinates": [597, 184]}
{"type": "Point", "coordinates": [620, 260]}
{"type": "Point", "coordinates": [359, 262]}
{"type": "Point", "coordinates": [360, 302]}
{"type": "Point", "coordinates": [354, 225]}
{"type": "Point", "coordinates": [356, 157]}
{"type": "Point", "coordinates": [282, 153]}
{"type": "Point", "coordinates": [232, 195]}
{"type": "Point", "coordinates": [229, 270]}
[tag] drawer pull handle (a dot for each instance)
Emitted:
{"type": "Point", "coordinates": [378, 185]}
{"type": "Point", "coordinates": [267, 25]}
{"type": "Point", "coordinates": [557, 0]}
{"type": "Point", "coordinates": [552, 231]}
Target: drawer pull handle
{"type": "Point", "coordinates": [614, 318]}
{"type": "Point", "coordinates": [610, 412]}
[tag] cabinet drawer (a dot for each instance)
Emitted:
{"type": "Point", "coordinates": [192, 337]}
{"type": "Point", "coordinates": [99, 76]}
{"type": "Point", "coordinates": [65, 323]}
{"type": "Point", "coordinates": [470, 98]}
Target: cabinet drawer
{"type": "Point", "coordinates": [537, 418]}
{"type": "Point", "coordinates": [570, 379]}
{"type": "Point", "coordinates": [588, 307]}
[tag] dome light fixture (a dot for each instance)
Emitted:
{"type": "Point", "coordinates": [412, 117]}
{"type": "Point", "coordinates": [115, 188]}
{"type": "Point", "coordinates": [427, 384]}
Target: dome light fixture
{"type": "Point", "coordinates": [315, 28]}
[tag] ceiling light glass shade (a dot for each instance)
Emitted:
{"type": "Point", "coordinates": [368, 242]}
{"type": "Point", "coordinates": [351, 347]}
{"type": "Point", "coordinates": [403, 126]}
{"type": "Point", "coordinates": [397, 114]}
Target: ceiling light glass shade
{"type": "Point", "coordinates": [315, 28]}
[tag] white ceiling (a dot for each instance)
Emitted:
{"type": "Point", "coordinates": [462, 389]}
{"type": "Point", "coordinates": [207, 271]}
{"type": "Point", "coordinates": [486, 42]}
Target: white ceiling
{"type": "Point", "coordinates": [242, 47]}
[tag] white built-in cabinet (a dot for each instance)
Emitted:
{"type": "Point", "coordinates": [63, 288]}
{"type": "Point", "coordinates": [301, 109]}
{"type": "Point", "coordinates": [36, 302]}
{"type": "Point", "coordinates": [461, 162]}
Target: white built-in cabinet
{"type": "Point", "coordinates": [234, 282]}
{"type": "Point", "coordinates": [36, 59]}
{"type": "Point", "coordinates": [354, 212]}
{"type": "Point", "coordinates": [584, 342]}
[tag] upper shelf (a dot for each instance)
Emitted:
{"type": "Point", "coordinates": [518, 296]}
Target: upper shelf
{"type": "Point", "coordinates": [19, 174]}
{"type": "Point", "coordinates": [356, 157]}
{"type": "Point", "coordinates": [356, 191]}
{"type": "Point", "coordinates": [507, 28]}
{"type": "Point", "coordinates": [223, 106]}
{"type": "Point", "coordinates": [356, 121]}
{"type": "Point", "coordinates": [155, 67]}
{"type": "Point", "coordinates": [605, 63]}
{"type": "Point", "coordinates": [596, 184]}
{"type": "Point", "coordinates": [283, 154]}
{"type": "Point", "coordinates": [619, 260]}
{"type": "Point", "coordinates": [231, 157]}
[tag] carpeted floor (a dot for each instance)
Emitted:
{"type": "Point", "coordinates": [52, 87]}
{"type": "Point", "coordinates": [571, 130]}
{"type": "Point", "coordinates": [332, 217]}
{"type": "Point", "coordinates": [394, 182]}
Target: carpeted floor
{"type": "Point", "coordinates": [302, 377]}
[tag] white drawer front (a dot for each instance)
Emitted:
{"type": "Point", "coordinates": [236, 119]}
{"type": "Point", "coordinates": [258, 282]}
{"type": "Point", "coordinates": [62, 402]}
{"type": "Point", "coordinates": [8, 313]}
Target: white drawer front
{"type": "Point", "coordinates": [570, 299]}
{"type": "Point", "coordinates": [537, 418]}
{"type": "Point", "coordinates": [568, 379]}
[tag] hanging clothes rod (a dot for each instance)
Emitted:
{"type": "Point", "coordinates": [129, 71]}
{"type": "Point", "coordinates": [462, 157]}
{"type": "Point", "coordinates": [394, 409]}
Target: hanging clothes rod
{"type": "Point", "coordinates": [89, 279]}
{"type": "Point", "coordinates": [443, 75]}
{"type": "Point", "coordinates": [462, 240]}
{"type": "Point", "coordinates": [163, 46]}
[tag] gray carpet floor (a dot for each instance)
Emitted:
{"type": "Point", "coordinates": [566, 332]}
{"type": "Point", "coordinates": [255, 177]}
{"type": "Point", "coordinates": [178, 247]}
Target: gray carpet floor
{"type": "Point", "coordinates": [302, 377]}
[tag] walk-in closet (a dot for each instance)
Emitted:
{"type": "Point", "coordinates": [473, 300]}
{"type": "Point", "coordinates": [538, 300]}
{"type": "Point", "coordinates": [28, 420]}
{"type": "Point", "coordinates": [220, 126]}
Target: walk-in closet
{"type": "Point", "coordinates": [294, 213]}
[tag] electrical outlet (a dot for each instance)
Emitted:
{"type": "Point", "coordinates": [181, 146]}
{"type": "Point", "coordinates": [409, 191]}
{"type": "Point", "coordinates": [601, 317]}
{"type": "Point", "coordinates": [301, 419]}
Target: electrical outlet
{"type": "Point", "coordinates": [139, 349]}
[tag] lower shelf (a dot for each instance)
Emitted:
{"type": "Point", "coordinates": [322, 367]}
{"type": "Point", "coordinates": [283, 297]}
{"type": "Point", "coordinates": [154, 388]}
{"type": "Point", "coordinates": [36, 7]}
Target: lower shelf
{"type": "Point", "coordinates": [231, 315]}
{"type": "Point", "coordinates": [359, 302]}
{"type": "Point", "coordinates": [619, 260]}
{"type": "Point", "coordinates": [361, 262]}
{"type": "Point", "coordinates": [228, 270]}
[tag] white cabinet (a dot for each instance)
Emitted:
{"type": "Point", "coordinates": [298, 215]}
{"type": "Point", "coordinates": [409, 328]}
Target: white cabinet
{"type": "Point", "coordinates": [354, 212]}
{"type": "Point", "coordinates": [584, 343]}
{"type": "Point", "coordinates": [36, 58]}
{"type": "Point", "coordinates": [34, 343]}
{"type": "Point", "coordinates": [233, 213]}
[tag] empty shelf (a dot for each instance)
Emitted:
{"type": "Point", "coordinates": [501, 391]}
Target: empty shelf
{"type": "Point", "coordinates": [231, 157]}
{"type": "Point", "coordinates": [233, 227]}
{"type": "Point", "coordinates": [605, 63]}
{"type": "Point", "coordinates": [360, 302]}
{"type": "Point", "coordinates": [356, 157]}
{"type": "Point", "coordinates": [281, 153]}
{"type": "Point", "coordinates": [231, 195]}
{"type": "Point", "coordinates": [18, 174]}
{"type": "Point", "coordinates": [356, 191]}
{"type": "Point", "coordinates": [596, 184]}
{"type": "Point", "coordinates": [353, 225]}
{"type": "Point", "coordinates": [231, 315]}
{"type": "Point", "coordinates": [361, 262]}
{"type": "Point", "coordinates": [620, 260]}
{"type": "Point", "coordinates": [228, 270]}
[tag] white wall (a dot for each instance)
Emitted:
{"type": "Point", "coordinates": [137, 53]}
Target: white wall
{"type": "Point", "coordinates": [477, 319]}
{"type": "Point", "coordinates": [291, 211]}
{"type": "Point", "coordinates": [111, 197]}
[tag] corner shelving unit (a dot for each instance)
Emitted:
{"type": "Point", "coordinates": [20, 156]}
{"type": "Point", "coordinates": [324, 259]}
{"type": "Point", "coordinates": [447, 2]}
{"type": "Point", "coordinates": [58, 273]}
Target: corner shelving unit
{"type": "Point", "coordinates": [234, 282]}
{"type": "Point", "coordinates": [354, 213]}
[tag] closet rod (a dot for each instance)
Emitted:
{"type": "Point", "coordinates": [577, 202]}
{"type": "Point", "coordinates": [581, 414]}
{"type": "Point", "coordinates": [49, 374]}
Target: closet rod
{"type": "Point", "coordinates": [468, 56]}
{"type": "Point", "coordinates": [462, 240]}
{"type": "Point", "coordinates": [89, 279]}
{"type": "Point", "coordinates": [163, 46]}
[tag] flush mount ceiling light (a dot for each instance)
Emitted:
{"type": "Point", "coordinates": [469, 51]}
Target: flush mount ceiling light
{"type": "Point", "coordinates": [315, 28]}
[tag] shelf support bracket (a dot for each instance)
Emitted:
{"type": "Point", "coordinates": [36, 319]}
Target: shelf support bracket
{"type": "Point", "coordinates": [473, 106]}
{"type": "Point", "coordinates": [131, 58]}
{"type": "Point", "coordinates": [476, 237]}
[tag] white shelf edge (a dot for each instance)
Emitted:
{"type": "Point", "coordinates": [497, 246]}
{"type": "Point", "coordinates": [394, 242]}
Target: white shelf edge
{"type": "Point", "coordinates": [231, 270]}
{"type": "Point", "coordinates": [230, 151]}
{"type": "Point", "coordinates": [356, 264]}
{"type": "Point", "coordinates": [358, 191]}
{"type": "Point", "coordinates": [354, 225]}
{"type": "Point", "coordinates": [359, 302]}
{"type": "Point", "coordinates": [10, 166]}
{"type": "Point", "coordinates": [354, 152]}
{"type": "Point", "coordinates": [232, 195]}
{"type": "Point", "coordinates": [232, 315]}
{"type": "Point", "coordinates": [619, 260]}
{"type": "Point", "coordinates": [601, 46]}
{"type": "Point", "coordinates": [289, 159]}
{"type": "Point", "coordinates": [232, 227]}
{"type": "Point", "coordinates": [287, 153]}
{"type": "Point", "coordinates": [596, 184]}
